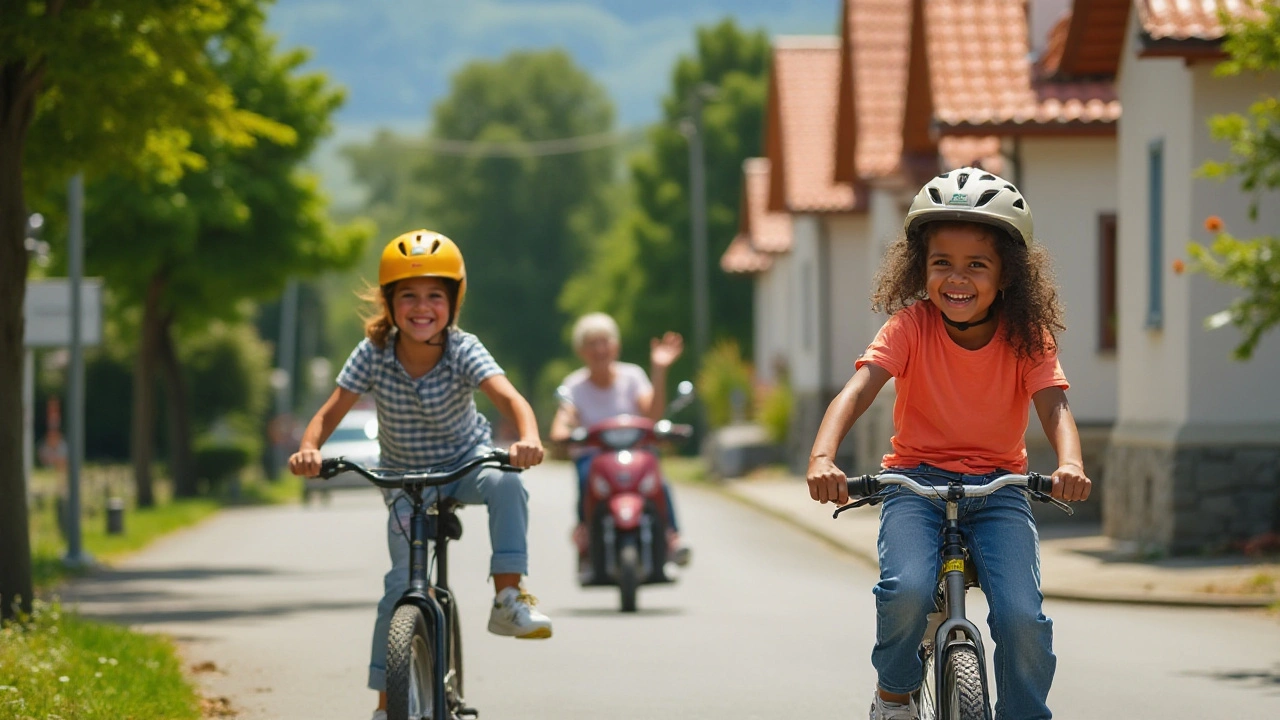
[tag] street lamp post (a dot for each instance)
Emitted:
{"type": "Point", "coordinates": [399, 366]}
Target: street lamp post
{"type": "Point", "coordinates": [691, 126]}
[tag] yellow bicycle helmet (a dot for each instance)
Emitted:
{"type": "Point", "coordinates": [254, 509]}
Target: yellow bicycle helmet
{"type": "Point", "coordinates": [424, 253]}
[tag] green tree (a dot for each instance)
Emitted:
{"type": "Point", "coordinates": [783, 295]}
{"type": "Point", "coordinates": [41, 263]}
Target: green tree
{"type": "Point", "coordinates": [87, 87]}
{"type": "Point", "coordinates": [191, 251]}
{"type": "Point", "coordinates": [641, 270]}
{"type": "Point", "coordinates": [522, 213]}
{"type": "Point", "coordinates": [1250, 264]}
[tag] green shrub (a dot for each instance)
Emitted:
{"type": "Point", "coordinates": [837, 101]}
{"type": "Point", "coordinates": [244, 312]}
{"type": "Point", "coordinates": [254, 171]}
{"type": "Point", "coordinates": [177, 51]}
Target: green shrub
{"type": "Point", "coordinates": [220, 459]}
{"type": "Point", "coordinates": [724, 374]}
{"type": "Point", "coordinates": [775, 412]}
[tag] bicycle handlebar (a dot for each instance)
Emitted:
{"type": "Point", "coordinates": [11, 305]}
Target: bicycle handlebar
{"type": "Point", "coordinates": [395, 479]}
{"type": "Point", "coordinates": [866, 485]}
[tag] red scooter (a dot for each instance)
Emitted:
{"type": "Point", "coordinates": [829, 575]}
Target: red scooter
{"type": "Point", "coordinates": [625, 508]}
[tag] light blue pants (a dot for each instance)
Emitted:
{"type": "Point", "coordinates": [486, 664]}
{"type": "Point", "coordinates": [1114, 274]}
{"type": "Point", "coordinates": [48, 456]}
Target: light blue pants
{"type": "Point", "coordinates": [1000, 533]}
{"type": "Point", "coordinates": [508, 503]}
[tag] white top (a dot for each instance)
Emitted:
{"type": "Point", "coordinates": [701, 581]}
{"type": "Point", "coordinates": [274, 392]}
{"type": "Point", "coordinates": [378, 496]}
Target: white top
{"type": "Point", "coordinates": [595, 403]}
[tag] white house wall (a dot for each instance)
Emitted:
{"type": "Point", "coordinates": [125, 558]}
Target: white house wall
{"type": "Point", "coordinates": [1153, 364]}
{"type": "Point", "coordinates": [1223, 390]}
{"type": "Point", "coordinates": [804, 323]}
{"type": "Point", "coordinates": [848, 237]}
{"type": "Point", "coordinates": [1068, 183]}
{"type": "Point", "coordinates": [774, 318]}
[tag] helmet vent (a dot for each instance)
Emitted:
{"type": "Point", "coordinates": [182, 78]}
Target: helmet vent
{"type": "Point", "coordinates": [933, 193]}
{"type": "Point", "coordinates": [986, 197]}
{"type": "Point", "coordinates": [960, 181]}
{"type": "Point", "coordinates": [987, 177]}
{"type": "Point", "coordinates": [435, 245]}
{"type": "Point", "coordinates": [403, 249]}
{"type": "Point", "coordinates": [1019, 204]}
{"type": "Point", "coordinates": [944, 176]}
{"type": "Point", "coordinates": [1010, 188]}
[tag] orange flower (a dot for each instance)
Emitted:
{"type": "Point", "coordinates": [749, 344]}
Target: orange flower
{"type": "Point", "coordinates": [1178, 266]}
{"type": "Point", "coordinates": [1213, 223]}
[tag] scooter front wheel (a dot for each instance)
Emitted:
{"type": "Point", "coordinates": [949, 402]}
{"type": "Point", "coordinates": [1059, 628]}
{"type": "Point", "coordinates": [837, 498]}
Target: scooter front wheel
{"type": "Point", "coordinates": [629, 572]}
{"type": "Point", "coordinates": [410, 667]}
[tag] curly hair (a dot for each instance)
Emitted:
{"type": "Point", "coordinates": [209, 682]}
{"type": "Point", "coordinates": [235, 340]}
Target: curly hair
{"type": "Point", "coordinates": [1029, 304]}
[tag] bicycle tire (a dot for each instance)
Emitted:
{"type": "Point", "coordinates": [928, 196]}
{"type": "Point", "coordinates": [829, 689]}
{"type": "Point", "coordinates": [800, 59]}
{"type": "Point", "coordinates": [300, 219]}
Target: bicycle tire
{"type": "Point", "coordinates": [410, 667]}
{"type": "Point", "coordinates": [962, 696]}
{"type": "Point", "coordinates": [455, 652]}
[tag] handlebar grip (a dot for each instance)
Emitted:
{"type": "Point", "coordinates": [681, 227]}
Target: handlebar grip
{"type": "Point", "coordinates": [863, 486]}
{"type": "Point", "coordinates": [329, 467]}
{"type": "Point", "coordinates": [501, 456]}
{"type": "Point", "coordinates": [1039, 483]}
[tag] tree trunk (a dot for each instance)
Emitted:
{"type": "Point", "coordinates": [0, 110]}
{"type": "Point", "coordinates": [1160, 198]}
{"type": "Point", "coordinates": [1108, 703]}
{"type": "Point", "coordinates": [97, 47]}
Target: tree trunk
{"type": "Point", "coordinates": [142, 434]}
{"type": "Point", "coordinates": [19, 85]}
{"type": "Point", "coordinates": [181, 467]}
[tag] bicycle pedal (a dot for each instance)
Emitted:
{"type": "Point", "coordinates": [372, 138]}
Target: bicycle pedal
{"type": "Point", "coordinates": [466, 712]}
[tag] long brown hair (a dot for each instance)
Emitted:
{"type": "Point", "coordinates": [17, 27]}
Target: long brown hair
{"type": "Point", "coordinates": [1029, 304]}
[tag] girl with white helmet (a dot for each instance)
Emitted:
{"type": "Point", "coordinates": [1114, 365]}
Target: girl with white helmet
{"type": "Point", "coordinates": [423, 373]}
{"type": "Point", "coordinates": [970, 344]}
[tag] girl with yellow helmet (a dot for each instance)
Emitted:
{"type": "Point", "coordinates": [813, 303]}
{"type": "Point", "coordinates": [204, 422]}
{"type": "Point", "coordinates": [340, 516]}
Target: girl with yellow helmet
{"type": "Point", "coordinates": [423, 371]}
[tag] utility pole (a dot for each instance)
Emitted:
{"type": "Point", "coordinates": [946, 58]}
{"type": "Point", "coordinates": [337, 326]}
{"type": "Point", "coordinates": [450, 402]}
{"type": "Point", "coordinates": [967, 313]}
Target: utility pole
{"type": "Point", "coordinates": [75, 372]}
{"type": "Point", "coordinates": [691, 126]}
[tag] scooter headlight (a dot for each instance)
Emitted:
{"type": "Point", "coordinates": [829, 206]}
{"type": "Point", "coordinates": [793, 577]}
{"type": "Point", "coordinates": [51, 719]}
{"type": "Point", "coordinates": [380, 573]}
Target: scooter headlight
{"type": "Point", "coordinates": [600, 486]}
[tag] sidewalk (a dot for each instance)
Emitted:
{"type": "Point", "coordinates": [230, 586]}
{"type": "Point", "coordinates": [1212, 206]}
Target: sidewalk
{"type": "Point", "coordinates": [1076, 561]}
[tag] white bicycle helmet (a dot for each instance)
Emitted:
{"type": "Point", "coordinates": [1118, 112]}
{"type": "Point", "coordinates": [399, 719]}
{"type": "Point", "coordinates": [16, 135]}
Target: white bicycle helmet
{"type": "Point", "coordinates": [972, 195]}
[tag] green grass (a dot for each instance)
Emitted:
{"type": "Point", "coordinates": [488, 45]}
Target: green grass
{"type": "Point", "coordinates": [55, 665]}
{"type": "Point", "coordinates": [683, 469]}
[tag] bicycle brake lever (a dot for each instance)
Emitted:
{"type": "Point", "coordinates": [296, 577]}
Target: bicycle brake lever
{"type": "Point", "coordinates": [868, 500]}
{"type": "Point", "coordinates": [1051, 500]}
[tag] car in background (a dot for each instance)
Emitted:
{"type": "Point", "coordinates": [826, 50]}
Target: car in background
{"type": "Point", "coordinates": [356, 439]}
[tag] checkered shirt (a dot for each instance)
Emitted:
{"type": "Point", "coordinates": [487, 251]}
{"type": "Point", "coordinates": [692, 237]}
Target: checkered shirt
{"type": "Point", "coordinates": [429, 421]}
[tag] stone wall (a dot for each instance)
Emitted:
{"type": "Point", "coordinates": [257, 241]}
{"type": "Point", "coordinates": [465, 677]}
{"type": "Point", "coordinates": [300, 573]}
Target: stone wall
{"type": "Point", "coordinates": [1191, 498]}
{"type": "Point", "coordinates": [1095, 440]}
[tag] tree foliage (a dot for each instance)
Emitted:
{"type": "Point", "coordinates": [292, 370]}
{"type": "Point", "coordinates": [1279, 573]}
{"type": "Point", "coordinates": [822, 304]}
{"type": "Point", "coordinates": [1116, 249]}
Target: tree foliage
{"type": "Point", "coordinates": [87, 87]}
{"type": "Point", "coordinates": [641, 270]}
{"type": "Point", "coordinates": [1250, 264]}
{"type": "Point", "coordinates": [522, 218]}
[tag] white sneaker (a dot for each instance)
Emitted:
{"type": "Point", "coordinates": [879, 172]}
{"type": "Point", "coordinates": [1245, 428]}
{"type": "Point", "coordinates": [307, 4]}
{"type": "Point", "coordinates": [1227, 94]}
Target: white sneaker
{"type": "Point", "coordinates": [513, 615]}
{"type": "Point", "coordinates": [881, 710]}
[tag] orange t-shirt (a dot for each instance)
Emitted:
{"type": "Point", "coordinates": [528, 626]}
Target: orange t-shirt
{"type": "Point", "coordinates": [957, 409]}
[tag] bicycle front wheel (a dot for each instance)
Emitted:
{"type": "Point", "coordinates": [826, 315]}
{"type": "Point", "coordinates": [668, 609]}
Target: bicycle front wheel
{"type": "Point", "coordinates": [410, 667]}
{"type": "Point", "coordinates": [961, 693]}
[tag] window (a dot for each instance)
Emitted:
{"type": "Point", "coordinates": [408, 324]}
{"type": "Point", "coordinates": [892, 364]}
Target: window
{"type": "Point", "coordinates": [1155, 234]}
{"type": "Point", "coordinates": [1108, 303]}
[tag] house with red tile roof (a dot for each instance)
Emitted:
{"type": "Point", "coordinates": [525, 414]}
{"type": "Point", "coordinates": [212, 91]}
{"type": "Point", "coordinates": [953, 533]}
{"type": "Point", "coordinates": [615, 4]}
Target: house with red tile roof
{"type": "Point", "coordinates": [1193, 457]}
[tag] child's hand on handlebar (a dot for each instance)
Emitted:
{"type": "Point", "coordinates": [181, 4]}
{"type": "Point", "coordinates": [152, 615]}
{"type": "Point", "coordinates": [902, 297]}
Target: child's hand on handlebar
{"type": "Point", "coordinates": [305, 463]}
{"type": "Point", "coordinates": [526, 453]}
{"type": "Point", "coordinates": [827, 483]}
{"type": "Point", "coordinates": [1070, 483]}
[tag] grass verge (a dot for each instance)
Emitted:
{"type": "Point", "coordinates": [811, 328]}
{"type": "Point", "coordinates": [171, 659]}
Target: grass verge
{"type": "Point", "coordinates": [55, 665]}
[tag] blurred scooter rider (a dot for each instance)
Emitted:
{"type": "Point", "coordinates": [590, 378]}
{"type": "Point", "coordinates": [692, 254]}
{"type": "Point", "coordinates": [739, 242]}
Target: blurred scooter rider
{"type": "Point", "coordinates": [606, 388]}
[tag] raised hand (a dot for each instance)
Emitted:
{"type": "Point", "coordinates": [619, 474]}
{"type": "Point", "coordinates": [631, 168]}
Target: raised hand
{"type": "Point", "coordinates": [663, 352]}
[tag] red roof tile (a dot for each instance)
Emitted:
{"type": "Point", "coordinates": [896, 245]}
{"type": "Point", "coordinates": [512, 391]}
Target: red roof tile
{"type": "Point", "coordinates": [873, 84]}
{"type": "Point", "coordinates": [769, 231]}
{"type": "Point", "coordinates": [1192, 19]}
{"type": "Point", "coordinates": [761, 233]}
{"type": "Point", "coordinates": [803, 89]}
{"type": "Point", "coordinates": [739, 257]}
{"type": "Point", "coordinates": [981, 75]}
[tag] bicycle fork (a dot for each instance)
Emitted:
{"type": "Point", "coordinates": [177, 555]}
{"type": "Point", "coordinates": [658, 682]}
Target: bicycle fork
{"type": "Point", "coordinates": [954, 621]}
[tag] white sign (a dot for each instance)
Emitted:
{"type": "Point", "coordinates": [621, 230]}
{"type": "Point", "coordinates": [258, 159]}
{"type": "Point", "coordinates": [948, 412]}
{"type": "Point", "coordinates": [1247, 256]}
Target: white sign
{"type": "Point", "coordinates": [48, 312]}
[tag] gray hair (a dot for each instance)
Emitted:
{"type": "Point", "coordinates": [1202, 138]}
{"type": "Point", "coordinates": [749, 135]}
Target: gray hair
{"type": "Point", "coordinates": [596, 323]}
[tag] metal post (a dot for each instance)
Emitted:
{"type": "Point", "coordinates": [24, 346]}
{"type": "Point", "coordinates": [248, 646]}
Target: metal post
{"type": "Point", "coordinates": [288, 346]}
{"type": "Point", "coordinates": [75, 371]}
{"type": "Point", "coordinates": [698, 220]}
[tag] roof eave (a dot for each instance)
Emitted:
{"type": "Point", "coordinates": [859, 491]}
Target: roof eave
{"type": "Point", "coordinates": [1071, 128]}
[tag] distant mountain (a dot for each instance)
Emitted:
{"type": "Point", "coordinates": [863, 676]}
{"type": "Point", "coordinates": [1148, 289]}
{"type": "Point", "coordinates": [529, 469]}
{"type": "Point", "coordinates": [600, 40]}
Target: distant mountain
{"type": "Point", "coordinates": [395, 57]}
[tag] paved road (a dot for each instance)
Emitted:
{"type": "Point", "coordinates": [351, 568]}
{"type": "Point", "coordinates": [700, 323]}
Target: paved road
{"type": "Point", "coordinates": [768, 623]}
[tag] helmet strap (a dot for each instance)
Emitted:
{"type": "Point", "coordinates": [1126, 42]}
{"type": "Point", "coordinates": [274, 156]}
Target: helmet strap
{"type": "Point", "coordinates": [962, 326]}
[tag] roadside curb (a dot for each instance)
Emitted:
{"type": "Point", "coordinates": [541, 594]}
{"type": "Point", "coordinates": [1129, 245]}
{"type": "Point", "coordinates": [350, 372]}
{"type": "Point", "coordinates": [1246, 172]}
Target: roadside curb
{"type": "Point", "coordinates": [1096, 595]}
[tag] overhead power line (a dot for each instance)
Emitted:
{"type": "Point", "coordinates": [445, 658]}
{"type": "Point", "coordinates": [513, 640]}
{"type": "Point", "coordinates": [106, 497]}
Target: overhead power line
{"type": "Point", "coordinates": [525, 148]}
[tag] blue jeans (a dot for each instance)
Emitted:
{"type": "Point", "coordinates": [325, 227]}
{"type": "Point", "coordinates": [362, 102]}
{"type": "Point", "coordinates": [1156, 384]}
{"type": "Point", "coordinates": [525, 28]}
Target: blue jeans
{"type": "Point", "coordinates": [508, 503]}
{"type": "Point", "coordinates": [583, 464]}
{"type": "Point", "coordinates": [1000, 533]}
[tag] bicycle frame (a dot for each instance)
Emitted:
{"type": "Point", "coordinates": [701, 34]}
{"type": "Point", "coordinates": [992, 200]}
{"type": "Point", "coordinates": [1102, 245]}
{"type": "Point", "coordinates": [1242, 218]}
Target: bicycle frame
{"type": "Point", "coordinates": [955, 628]}
{"type": "Point", "coordinates": [432, 599]}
